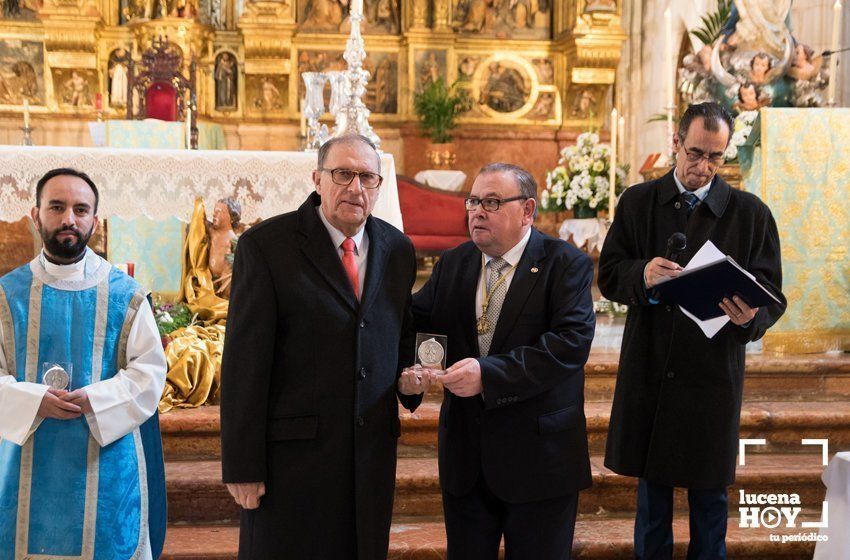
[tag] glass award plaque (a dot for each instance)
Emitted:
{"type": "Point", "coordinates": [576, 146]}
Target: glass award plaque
{"type": "Point", "coordinates": [57, 375]}
{"type": "Point", "coordinates": [431, 351]}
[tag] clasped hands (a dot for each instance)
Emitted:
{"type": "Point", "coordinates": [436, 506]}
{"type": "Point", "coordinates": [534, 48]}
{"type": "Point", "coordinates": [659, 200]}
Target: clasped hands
{"type": "Point", "coordinates": [735, 308]}
{"type": "Point", "coordinates": [64, 405]}
{"type": "Point", "coordinates": [463, 379]}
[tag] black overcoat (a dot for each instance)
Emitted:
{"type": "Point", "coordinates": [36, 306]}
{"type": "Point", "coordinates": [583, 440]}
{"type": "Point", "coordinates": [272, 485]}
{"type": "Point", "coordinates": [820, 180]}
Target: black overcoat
{"type": "Point", "coordinates": [527, 436]}
{"type": "Point", "coordinates": [309, 387]}
{"type": "Point", "coordinates": [677, 403]}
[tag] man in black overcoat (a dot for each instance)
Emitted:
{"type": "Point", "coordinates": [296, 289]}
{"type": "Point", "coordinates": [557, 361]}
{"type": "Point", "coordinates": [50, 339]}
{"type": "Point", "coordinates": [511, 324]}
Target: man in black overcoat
{"type": "Point", "coordinates": [677, 403]}
{"type": "Point", "coordinates": [512, 432]}
{"type": "Point", "coordinates": [309, 420]}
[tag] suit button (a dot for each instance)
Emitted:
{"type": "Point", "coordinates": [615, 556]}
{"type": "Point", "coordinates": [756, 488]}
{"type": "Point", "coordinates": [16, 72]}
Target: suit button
{"type": "Point", "coordinates": [669, 308]}
{"type": "Point", "coordinates": [670, 375]}
{"type": "Point", "coordinates": [360, 421]}
{"type": "Point", "coordinates": [362, 373]}
{"type": "Point", "coordinates": [362, 324]}
{"type": "Point", "coordinates": [634, 301]}
{"type": "Point", "coordinates": [499, 401]}
{"type": "Point", "coordinates": [677, 205]}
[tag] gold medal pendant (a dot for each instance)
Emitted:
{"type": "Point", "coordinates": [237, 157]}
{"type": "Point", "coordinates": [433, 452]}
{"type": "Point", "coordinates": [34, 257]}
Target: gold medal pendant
{"type": "Point", "coordinates": [483, 324]}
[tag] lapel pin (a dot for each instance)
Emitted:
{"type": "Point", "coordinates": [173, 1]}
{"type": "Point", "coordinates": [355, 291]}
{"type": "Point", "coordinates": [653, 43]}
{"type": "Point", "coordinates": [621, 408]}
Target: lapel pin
{"type": "Point", "coordinates": [534, 270]}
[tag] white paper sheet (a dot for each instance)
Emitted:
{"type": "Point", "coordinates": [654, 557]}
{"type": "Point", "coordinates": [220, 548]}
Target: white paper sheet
{"type": "Point", "coordinates": [708, 254]}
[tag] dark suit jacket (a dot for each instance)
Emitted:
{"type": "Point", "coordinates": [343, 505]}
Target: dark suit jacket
{"type": "Point", "coordinates": [528, 435]}
{"type": "Point", "coordinates": [309, 387]}
{"type": "Point", "coordinates": [677, 403]}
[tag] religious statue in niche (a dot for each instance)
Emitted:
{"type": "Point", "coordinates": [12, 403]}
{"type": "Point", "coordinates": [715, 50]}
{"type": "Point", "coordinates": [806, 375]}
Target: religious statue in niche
{"type": "Point", "coordinates": [503, 19]}
{"type": "Point", "coordinates": [545, 70]}
{"type": "Point", "coordinates": [226, 75]}
{"type": "Point", "coordinates": [753, 50]}
{"type": "Point", "coordinates": [466, 67]}
{"type": "Point", "coordinates": [184, 9]}
{"type": "Point", "coordinates": [505, 89]}
{"type": "Point", "coordinates": [117, 71]}
{"type": "Point", "coordinates": [543, 108]}
{"type": "Point", "coordinates": [224, 233]}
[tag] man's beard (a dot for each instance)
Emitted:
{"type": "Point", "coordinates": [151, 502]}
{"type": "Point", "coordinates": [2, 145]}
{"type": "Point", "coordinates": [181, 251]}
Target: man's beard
{"type": "Point", "coordinates": [68, 249]}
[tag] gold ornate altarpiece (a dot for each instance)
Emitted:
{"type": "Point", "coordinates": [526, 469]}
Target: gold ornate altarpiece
{"type": "Point", "coordinates": [526, 62]}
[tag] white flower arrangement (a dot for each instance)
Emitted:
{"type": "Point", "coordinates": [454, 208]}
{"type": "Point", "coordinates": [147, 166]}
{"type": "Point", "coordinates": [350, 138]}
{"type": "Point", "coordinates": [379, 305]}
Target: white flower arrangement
{"type": "Point", "coordinates": [742, 129]}
{"type": "Point", "coordinates": [580, 181]}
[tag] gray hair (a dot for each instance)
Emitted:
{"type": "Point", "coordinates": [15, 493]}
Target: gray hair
{"type": "Point", "coordinates": [325, 148]}
{"type": "Point", "coordinates": [524, 179]}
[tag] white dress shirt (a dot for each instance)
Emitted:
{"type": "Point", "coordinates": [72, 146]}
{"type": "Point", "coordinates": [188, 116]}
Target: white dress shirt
{"type": "Point", "coordinates": [361, 247]}
{"type": "Point", "coordinates": [119, 404]}
{"type": "Point", "coordinates": [512, 256]}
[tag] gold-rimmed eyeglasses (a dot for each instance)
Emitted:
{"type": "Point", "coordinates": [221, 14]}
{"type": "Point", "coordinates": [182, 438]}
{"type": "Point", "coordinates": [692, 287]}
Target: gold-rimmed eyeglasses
{"type": "Point", "coordinates": [342, 176]}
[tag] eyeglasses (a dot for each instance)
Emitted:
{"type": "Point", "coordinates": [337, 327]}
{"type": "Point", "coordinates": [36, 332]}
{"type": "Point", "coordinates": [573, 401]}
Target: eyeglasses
{"type": "Point", "coordinates": [368, 180]}
{"type": "Point", "coordinates": [489, 204]}
{"type": "Point", "coordinates": [713, 159]}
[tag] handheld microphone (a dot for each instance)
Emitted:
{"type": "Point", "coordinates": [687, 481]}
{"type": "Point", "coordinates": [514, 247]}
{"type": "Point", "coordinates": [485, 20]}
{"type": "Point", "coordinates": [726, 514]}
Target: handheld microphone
{"type": "Point", "coordinates": [675, 245]}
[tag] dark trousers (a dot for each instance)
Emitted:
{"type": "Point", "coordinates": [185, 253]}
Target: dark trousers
{"type": "Point", "coordinates": [654, 523]}
{"type": "Point", "coordinates": [540, 530]}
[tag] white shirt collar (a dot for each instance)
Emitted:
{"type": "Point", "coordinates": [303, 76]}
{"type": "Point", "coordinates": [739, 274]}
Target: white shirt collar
{"type": "Point", "coordinates": [75, 271]}
{"type": "Point", "coordinates": [337, 237]}
{"type": "Point", "coordinates": [513, 255]}
{"type": "Point", "coordinates": [701, 192]}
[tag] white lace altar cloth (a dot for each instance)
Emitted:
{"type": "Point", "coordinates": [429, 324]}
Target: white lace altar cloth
{"type": "Point", "coordinates": [164, 183]}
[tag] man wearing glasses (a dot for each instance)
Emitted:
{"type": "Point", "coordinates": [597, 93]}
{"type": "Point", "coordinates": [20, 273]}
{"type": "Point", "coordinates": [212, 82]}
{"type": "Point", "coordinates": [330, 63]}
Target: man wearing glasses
{"type": "Point", "coordinates": [517, 310]}
{"type": "Point", "coordinates": [309, 415]}
{"type": "Point", "coordinates": [677, 403]}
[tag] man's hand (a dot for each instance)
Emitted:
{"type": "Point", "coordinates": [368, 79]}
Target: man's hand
{"type": "Point", "coordinates": [739, 312]}
{"type": "Point", "coordinates": [659, 268]}
{"type": "Point", "coordinates": [54, 406]}
{"type": "Point", "coordinates": [247, 494]}
{"type": "Point", "coordinates": [79, 398]}
{"type": "Point", "coordinates": [415, 380]}
{"type": "Point", "coordinates": [464, 378]}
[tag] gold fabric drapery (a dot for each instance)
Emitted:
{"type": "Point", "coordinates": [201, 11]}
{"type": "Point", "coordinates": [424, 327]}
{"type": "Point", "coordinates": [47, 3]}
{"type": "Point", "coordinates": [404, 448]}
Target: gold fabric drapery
{"type": "Point", "coordinates": [194, 352]}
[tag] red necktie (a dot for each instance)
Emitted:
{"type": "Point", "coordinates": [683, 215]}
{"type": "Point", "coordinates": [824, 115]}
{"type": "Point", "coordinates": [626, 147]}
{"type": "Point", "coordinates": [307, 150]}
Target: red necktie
{"type": "Point", "coordinates": [349, 263]}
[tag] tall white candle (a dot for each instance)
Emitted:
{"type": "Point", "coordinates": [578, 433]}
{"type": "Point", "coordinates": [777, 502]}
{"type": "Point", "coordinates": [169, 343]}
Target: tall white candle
{"type": "Point", "coordinates": [833, 59]}
{"type": "Point", "coordinates": [612, 172]}
{"type": "Point", "coordinates": [670, 73]}
{"type": "Point", "coordinates": [303, 118]}
{"type": "Point", "coordinates": [357, 7]}
{"type": "Point", "coordinates": [621, 137]}
{"type": "Point", "coordinates": [26, 113]}
{"type": "Point", "coordinates": [188, 128]}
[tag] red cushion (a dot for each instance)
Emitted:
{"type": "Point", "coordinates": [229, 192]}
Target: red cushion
{"type": "Point", "coordinates": [430, 213]}
{"type": "Point", "coordinates": [161, 102]}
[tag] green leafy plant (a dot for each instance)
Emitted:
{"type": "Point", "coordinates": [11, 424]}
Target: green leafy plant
{"type": "Point", "coordinates": [713, 22]}
{"type": "Point", "coordinates": [170, 317]}
{"type": "Point", "coordinates": [438, 106]}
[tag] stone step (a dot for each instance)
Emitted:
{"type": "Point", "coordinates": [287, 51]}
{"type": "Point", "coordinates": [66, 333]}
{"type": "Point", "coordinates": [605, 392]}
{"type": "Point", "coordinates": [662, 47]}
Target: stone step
{"type": "Point", "coordinates": [197, 495]}
{"type": "Point", "coordinates": [596, 537]}
{"type": "Point", "coordinates": [769, 377]}
{"type": "Point", "coordinates": [782, 424]}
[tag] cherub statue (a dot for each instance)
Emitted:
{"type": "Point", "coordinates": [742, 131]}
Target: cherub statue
{"type": "Point", "coordinates": [805, 64]}
{"type": "Point", "coordinates": [750, 98]}
{"type": "Point", "coordinates": [227, 216]}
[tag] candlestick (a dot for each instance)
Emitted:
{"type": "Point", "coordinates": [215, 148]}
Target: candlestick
{"type": "Point", "coordinates": [833, 58]}
{"type": "Point", "coordinates": [612, 172]}
{"type": "Point", "coordinates": [26, 113]}
{"type": "Point", "coordinates": [303, 118]}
